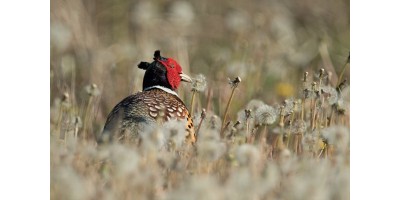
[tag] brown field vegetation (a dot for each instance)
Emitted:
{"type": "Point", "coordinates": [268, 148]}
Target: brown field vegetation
{"type": "Point", "coordinates": [284, 135]}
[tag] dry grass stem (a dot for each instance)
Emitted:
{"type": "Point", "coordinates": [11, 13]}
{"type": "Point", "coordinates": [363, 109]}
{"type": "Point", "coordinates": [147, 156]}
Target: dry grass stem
{"type": "Point", "coordinates": [234, 84]}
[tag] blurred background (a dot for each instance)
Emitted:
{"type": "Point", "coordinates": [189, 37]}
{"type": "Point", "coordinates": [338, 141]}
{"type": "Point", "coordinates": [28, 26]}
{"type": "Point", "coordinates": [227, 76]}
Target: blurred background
{"type": "Point", "coordinates": [269, 44]}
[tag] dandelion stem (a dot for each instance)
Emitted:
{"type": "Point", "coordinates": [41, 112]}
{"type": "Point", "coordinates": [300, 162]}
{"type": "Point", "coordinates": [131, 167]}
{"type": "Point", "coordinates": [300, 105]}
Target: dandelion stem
{"type": "Point", "coordinates": [311, 113]}
{"type": "Point", "coordinates": [253, 134]}
{"type": "Point", "coordinates": [299, 144]}
{"type": "Point", "coordinates": [321, 76]}
{"type": "Point", "coordinates": [304, 96]}
{"type": "Point", "coordinates": [247, 131]}
{"type": "Point", "coordinates": [275, 143]}
{"type": "Point", "coordinates": [225, 127]}
{"type": "Point", "coordinates": [76, 129]}
{"type": "Point", "coordinates": [296, 143]}
{"type": "Point", "coordinates": [326, 119]}
{"type": "Point", "coordinates": [341, 86]}
{"type": "Point", "coordinates": [289, 134]}
{"type": "Point", "coordinates": [316, 110]}
{"type": "Point", "coordinates": [278, 143]}
{"type": "Point", "coordinates": [319, 115]}
{"type": "Point", "coordinates": [288, 140]}
{"type": "Point", "coordinates": [322, 151]}
{"type": "Point", "coordinates": [330, 150]}
{"type": "Point", "coordinates": [291, 122]}
{"type": "Point", "coordinates": [234, 86]}
{"type": "Point", "coordinates": [331, 115]}
{"type": "Point", "coordinates": [64, 102]}
{"type": "Point", "coordinates": [58, 128]}
{"type": "Point", "coordinates": [227, 106]}
{"type": "Point", "coordinates": [192, 102]}
{"type": "Point", "coordinates": [203, 116]}
{"type": "Point", "coordinates": [326, 150]}
{"type": "Point", "coordinates": [209, 95]}
{"type": "Point", "coordinates": [86, 121]}
{"type": "Point", "coordinates": [264, 135]}
{"type": "Point", "coordinates": [313, 105]}
{"type": "Point", "coordinates": [302, 109]}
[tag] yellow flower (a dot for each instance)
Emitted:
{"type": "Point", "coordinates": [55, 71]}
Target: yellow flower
{"type": "Point", "coordinates": [284, 89]}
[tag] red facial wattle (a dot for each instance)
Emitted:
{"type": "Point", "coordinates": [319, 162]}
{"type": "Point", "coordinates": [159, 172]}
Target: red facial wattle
{"type": "Point", "coordinates": [173, 71]}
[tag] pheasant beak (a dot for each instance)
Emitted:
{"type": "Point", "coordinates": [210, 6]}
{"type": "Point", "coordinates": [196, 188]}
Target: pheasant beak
{"type": "Point", "coordinates": [185, 78]}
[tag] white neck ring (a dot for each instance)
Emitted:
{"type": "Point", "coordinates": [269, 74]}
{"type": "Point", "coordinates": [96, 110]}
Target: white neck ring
{"type": "Point", "coordinates": [161, 88]}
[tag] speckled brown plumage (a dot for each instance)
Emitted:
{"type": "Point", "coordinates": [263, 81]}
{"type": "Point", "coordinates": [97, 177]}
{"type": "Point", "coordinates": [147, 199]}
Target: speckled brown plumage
{"type": "Point", "coordinates": [136, 112]}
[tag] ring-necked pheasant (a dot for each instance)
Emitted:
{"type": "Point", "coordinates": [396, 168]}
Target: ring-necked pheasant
{"type": "Point", "coordinates": [157, 103]}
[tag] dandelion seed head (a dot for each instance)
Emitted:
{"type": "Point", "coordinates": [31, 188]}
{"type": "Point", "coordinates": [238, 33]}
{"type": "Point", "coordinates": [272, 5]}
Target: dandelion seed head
{"type": "Point", "coordinates": [247, 155]}
{"type": "Point", "coordinates": [273, 174]}
{"type": "Point", "coordinates": [196, 119]}
{"type": "Point", "coordinates": [265, 115]}
{"type": "Point", "coordinates": [342, 106]}
{"type": "Point", "coordinates": [198, 187]}
{"type": "Point", "coordinates": [241, 115]}
{"type": "Point", "coordinates": [254, 104]}
{"type": "Point", "coordinates": [307, 93]}
{"type": "Point", "coordinates": [208, 134]}
{"type": "Point", "coordinates": [332, 95]}
{"type": "Point", "coordinates": [286, 161]}
{"type": "Point", "coordinates": [70, 184]}
{"type": "Point", "coordinates": [247, 113]}
{"type": "Point", "coordinates": [166, 159]}
{"type": "Point", "coordinates": [299, 126]}
{"type": "Point", "coordinates": [174, 132]}
{"type": "Point", "coordinates": [245, 116]}
{"type": "Point", "coordinates": [311, 142]}
{"type": "Point", "coordinates": [211, 150]}
{"type": "Point", "coordinates": [125, 159]}
{"type": "Point", "coordinates": [288, 106]}
{"type": "Point", "coordinates": [337, 135]}
{"type": "Point", "coordinates": [285, 154]}
{"type": "Point", "coordinates": [212, 121]}
{"type": "Point", "coordinates": [199, 83]}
